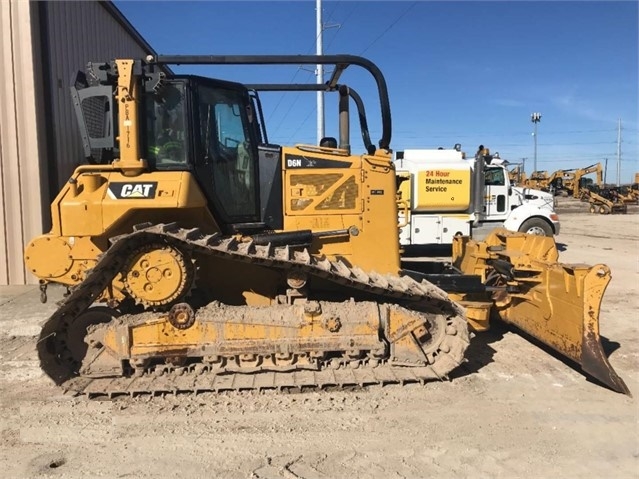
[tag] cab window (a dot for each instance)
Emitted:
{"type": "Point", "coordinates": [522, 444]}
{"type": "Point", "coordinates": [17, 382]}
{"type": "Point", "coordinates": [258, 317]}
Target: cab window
{"type": "Point", "coordinates": [166, 128]}
{"type": "Point", "coordinates": [226, 144]}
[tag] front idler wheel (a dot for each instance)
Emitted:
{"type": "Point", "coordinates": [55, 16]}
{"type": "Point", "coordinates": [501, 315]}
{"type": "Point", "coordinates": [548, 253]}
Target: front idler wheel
{"type": "Point", "coordinates": [77, 331]}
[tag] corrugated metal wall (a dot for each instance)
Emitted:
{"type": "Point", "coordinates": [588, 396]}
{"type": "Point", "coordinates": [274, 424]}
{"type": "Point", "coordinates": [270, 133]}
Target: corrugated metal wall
{"type": "Point", "coordinates": [21, 199]}
{"type": "Point", "coordinates": [42, 45]}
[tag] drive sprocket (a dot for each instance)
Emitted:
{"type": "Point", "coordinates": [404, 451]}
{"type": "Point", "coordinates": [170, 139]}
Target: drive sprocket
{"type": "Point", "coordinates": [157, 275]}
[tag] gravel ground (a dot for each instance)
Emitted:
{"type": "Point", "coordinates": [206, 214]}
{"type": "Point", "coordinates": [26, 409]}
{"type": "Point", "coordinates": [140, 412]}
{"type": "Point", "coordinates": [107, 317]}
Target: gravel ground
{"type": "Point", "coordinates": [512, 410]}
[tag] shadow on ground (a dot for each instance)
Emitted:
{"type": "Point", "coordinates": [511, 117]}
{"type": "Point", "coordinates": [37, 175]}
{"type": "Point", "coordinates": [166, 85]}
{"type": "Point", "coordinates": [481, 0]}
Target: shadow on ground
{"type": "Point", "coordinates": [480, 353]}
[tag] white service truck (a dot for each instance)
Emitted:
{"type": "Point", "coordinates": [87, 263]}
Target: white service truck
{"type": "Point", "coordinates": [441, 194]}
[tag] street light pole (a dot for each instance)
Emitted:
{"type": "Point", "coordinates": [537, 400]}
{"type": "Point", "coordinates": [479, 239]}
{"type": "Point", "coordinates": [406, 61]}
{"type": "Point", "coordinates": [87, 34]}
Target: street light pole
{"type": "Point", "coordinates": [535, 118]}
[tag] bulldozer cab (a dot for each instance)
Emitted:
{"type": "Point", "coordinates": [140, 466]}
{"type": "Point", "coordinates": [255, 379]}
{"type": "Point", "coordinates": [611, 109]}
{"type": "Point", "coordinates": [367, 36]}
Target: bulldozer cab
{"type": "Point", "coordinates": [213, 129]}
{"type": "Point", "coordinates": [189, 123]}
{"type": "Point", "coordinates": [208, 127]}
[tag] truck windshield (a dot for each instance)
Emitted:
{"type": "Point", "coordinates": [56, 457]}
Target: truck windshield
{"type": "Point", "coordinates": [495, 177]}
{"type": "Point", "coordinates": [166, 128]}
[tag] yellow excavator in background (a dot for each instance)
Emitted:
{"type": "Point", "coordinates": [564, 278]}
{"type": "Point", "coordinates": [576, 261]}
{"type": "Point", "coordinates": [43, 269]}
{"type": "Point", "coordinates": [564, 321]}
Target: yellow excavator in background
{"type": "Point", "coordinates": [566, 182]}
{"type": "Point", "coordinates": [517, 176]}
{"type": "Point", "coordinates": [556, 182]}
{"type": "Point", "coordinates": [560, 181]}
{"type": "Point", "coordinates": [224, 262]}
{"type": "Point", "coordinates": [579, 181]}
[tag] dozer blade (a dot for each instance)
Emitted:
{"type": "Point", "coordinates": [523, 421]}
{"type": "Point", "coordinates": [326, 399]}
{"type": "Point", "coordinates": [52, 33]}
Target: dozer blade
{"type": "Point", "coordinates": [557, 304]}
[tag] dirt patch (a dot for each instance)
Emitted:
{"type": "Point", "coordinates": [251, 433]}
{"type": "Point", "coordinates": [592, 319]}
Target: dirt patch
{"type": "Point", "coordinates": [513, 410]}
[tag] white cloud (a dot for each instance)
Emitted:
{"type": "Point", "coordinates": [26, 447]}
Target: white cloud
{"type": "Point", "coordinates": [569, 103]}
{"type": "Point", "coordinates": [509, 102]}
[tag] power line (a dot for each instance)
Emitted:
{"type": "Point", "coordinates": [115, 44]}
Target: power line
{"type": "Point", "coordinates": [314, 108]}
{"type": "Point", "coordinates": [389, 27]}
{"type": "Point", "coordinates": [296, 97]}
{"type": "Point", "coordinates": [502, 135]}
{"type": "Point", "coordinates": [301, 124]}
{"type": "Point", "coordinates": [578, 143]}
{"type": "Point", "coordinates": [573, 132]}
{"type": "Point", "coordinates": [503, 145]}
{"type": "Point", "coordinates": [340, 28]}
{"type": "Point", "coordinates": [310, 49]}
{"type": "Point", "coordinates": [272, 112]}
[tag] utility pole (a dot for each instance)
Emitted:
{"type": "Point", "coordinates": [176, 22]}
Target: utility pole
{"type": "Point", "coordinates": [319, 72]}
{"type": "Point", "coordinates": [535, 118]}
{"type": "Point", "coordinates": [523, 165]}
{"type": "Point", "coordinates": [619, 153]}
{"type": "Point", "coordinates": [605, 171]}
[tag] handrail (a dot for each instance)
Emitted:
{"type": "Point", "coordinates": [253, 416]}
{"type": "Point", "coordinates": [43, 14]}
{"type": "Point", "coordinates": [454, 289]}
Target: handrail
{"type": "Point", "coordinates": [341, 62]}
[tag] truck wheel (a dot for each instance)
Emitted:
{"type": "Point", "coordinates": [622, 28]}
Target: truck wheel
{"type": "Point", "coordinates": [593, 209]}
{"type": "Point", "coordinates": [536, 226]}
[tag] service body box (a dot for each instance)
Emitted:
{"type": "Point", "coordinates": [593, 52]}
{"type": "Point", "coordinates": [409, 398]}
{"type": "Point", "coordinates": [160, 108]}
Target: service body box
{"type": "Point", "coordinates": [442, 187]}
{"type": "Point", "coordinates": [435, 229]}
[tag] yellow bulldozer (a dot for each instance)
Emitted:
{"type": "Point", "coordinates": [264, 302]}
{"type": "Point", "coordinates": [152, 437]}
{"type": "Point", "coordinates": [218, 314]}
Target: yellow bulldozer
{"type": "Point", "coordinates": [538, 180]}
{"type": "Point", "coordinates": [199, 256]}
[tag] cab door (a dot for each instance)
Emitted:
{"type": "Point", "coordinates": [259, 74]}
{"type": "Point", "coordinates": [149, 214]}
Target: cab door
{"type": "Point", "coordinates": [226, 163]}
{"type": "Point", "coordinates": [495, 194]}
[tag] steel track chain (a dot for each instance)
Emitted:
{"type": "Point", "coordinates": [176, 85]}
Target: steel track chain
{"type": "Point", "coordinates": [56, 359]}
{"type": "Point", "coordinates": [302, 380]}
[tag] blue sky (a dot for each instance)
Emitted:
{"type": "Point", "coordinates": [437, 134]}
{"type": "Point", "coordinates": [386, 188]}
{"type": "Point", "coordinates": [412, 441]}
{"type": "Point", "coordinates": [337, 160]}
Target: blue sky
{"type": "Point", "coordinates": [457, 72]}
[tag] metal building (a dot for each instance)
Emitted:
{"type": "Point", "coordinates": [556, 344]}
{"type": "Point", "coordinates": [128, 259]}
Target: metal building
{"type": "Point", "coordinates": [42, 45]}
